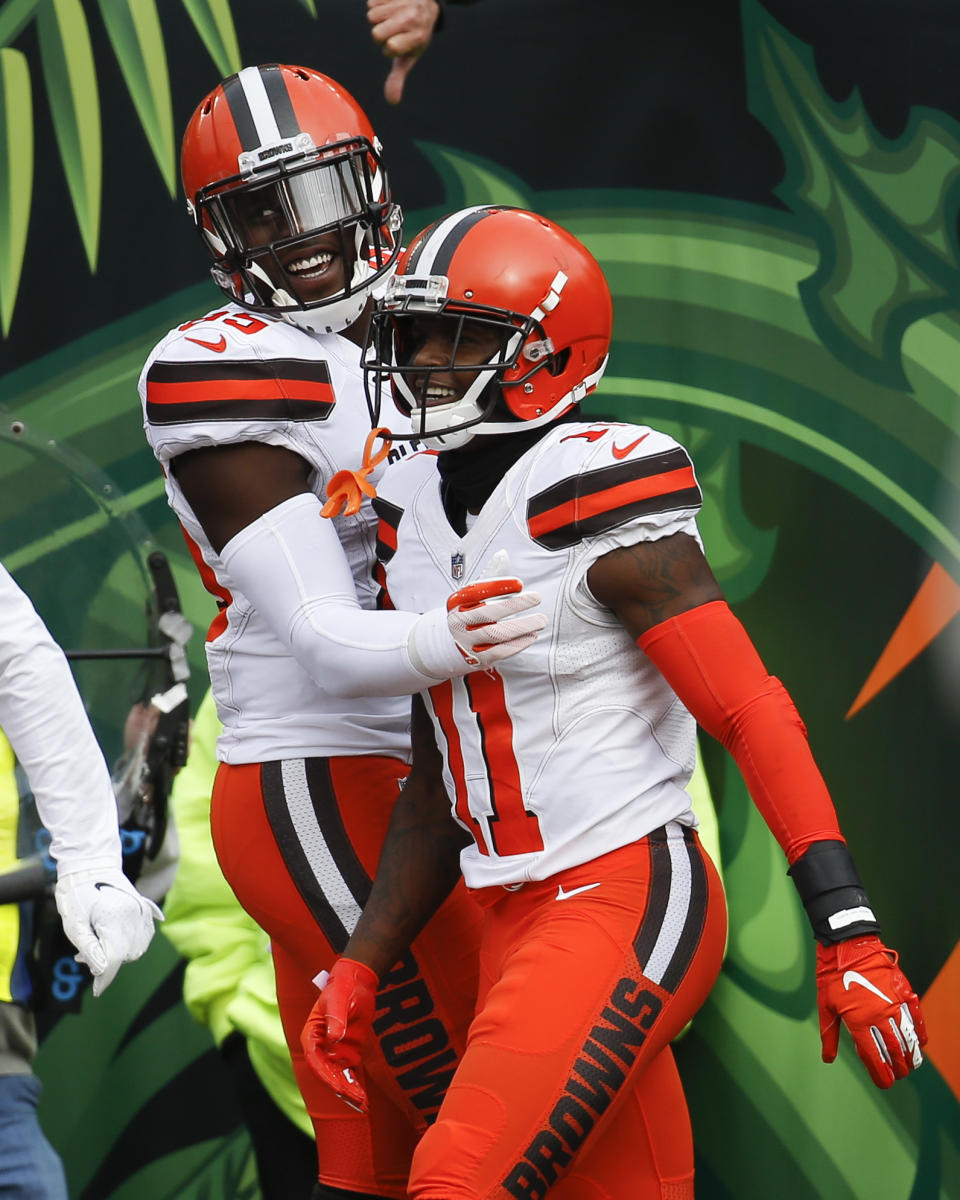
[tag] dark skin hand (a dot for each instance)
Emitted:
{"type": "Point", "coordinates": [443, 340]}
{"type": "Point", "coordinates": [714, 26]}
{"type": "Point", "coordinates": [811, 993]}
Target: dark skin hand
{"type": "Point", "coordinates": [420, 861]}
{"type": "Point", "coordinates": [649, 582]}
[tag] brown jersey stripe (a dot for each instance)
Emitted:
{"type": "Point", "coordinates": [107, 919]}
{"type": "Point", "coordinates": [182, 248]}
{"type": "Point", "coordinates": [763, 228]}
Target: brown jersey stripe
{"type": "Point", "coordinates": [224, 391]}
{"type": "Point", "coordinates": [389, 515]}
{"type": "Point", "coordinates": [304, 370]}
{"type": "Point", "coordinates": [279, 408]}
{"type": "Point", "coordinates": [380, 578]}
{"type": "Point", "coordinates": [588, 516]}
{"type": "Point", "coordinates": [577, 486]}
{"type": "Point", "coordinates": [275, 391]}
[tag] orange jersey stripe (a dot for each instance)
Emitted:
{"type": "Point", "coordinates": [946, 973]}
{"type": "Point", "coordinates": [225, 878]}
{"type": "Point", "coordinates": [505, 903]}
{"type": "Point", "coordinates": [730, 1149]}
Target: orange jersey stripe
{"type": "Point", "coordinates": [607, 499]}
{"type": "Point", "coordinates": [213, 586]}
{"type": "Point", "coordinates": [226, 389]}
{"type": "Point", "coordinates": [513, 828]}
{"type": "Point", "coordinates": [387, 534]}
{"type": "Point", "coordinates": [441, 697]}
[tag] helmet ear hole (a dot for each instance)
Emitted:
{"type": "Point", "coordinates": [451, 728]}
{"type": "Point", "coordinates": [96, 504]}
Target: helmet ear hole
{"type": "Point", "coordinates": [558, 362]}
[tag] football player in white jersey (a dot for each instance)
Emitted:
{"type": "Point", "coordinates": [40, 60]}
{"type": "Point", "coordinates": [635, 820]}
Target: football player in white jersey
{"type": "Point", "coordinates": [253, 410]}
{"type": "Point", "coordinates": [566, 767]}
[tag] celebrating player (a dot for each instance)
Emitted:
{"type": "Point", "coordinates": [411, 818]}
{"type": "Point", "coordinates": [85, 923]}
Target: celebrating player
{"type": "Point", "coordinates": [253, 410]}
{"type": "Point", "coordinates": [566, 767]}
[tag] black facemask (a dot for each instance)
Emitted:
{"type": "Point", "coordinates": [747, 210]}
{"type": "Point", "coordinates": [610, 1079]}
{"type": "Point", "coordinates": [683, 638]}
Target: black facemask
{"type": "Point", "coordinates": [469, 475]}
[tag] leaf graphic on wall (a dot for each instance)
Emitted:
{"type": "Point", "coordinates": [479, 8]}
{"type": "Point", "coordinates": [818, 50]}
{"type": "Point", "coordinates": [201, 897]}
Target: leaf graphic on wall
{"type": "Point", "coordinates": [739, 551]}
{"type": "Point", "coordinates": [16, 175]}
{"type": "Point", "coordinates": [70, 75]}
{"type": "Point", "coordinates": [14, 16]}
{"type": "Point", "coordinates": [71, 79]}
{"type": "Point", "coordinates": [883, 212]}
{"type": "Point", "coordinates": [213, 22]}
{"type": "Point", "coordinates": [133, 27]}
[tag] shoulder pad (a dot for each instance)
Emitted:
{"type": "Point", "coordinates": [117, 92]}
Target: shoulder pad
{"type": "Point", "coordinates": [235, 365]}
{"type": "Point", "coordinates": [610, 476]}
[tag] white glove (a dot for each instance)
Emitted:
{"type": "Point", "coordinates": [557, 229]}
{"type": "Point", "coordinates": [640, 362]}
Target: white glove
{"type": "Point", "coordinates": [107, 920]}
{"type": "Point", "coordinates": [482, 617]}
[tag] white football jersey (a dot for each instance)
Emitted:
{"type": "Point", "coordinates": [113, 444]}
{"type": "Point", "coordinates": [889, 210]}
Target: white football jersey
{"type": "Point", "coordinates": [238, 376]}
{"type": "Point", "coordinates": [578, 745]}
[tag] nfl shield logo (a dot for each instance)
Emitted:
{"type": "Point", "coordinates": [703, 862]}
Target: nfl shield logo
{"type": "Point", "coordinates": [456, 566]}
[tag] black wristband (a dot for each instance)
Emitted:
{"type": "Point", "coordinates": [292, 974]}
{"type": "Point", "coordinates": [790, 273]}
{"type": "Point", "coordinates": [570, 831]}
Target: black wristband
{"type": "Point", "coordinates": [832, 893]}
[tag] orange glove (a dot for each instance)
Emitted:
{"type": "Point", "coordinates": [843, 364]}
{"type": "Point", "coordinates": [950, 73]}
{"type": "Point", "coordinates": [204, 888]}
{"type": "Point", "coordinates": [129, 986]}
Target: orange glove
{"type": "Point", "coordinates": [338, 1026]}
{"type": "Point", "coordinates": [859, 982]}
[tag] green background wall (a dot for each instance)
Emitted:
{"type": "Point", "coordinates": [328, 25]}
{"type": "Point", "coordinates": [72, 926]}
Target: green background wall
{"type": "Point", "coordinates": [773, 190]}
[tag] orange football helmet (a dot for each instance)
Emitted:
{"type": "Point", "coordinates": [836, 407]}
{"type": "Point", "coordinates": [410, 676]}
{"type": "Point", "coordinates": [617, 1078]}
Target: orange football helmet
{"type": "Point", "coordinates": [273, 159]}
{"type": "Point", "coordinates": [493, 271]}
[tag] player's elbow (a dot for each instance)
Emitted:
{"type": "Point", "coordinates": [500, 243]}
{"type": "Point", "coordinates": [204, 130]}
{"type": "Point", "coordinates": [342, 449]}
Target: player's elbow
{"type": "Point", "coordinates": [332, 640]}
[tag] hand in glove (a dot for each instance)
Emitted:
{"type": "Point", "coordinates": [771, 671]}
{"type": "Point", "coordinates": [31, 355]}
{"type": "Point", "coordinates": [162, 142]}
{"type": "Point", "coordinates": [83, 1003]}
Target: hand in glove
{"type": "Point", "coordinates": [859, 982]}
{"type": "Point", "coordinates": [107, 920]}
{"type": "Point", "coordinates": [484, 616]}
{"type": "Point", "coordinates": [338, 1026]}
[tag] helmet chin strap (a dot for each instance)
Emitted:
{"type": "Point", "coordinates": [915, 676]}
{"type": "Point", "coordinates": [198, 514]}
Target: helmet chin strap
{"type": "Point", "coordinates": [454, 439]}
{"type": "Point", "coordinates": [441, 424]}
{"type": "Point", "coordinates": [328, 318]}
{"type": "Point", "coordinates": [336, 315]}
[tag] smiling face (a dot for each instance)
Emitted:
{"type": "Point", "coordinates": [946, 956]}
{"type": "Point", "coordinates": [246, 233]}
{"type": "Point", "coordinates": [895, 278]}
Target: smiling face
{"type": "Point", "coordinates": [445, 347]}
{"type": "Point", "coordinates": [275, 230]}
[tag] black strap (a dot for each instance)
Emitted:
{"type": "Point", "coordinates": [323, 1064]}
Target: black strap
{"type": "Point", "coordinates": [832, 893]}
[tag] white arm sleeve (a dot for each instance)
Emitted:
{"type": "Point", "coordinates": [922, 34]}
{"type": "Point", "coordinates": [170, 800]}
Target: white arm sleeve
{"type": "Point", "coordinates": [45, 722]}
{"type": "Point", "coordinates": [290, 566]}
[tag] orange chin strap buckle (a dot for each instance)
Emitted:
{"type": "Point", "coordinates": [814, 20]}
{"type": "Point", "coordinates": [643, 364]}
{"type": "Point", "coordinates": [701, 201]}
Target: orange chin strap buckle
{"type": "Point", "coordinates": [346, 489]}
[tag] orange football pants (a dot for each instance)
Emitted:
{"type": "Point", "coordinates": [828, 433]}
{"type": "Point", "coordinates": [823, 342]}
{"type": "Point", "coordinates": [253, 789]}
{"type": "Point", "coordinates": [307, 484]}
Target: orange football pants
{"type": "Point", "coordinates": [568, 1086]}
{"type": "Point", "coordinates": [298, 841]}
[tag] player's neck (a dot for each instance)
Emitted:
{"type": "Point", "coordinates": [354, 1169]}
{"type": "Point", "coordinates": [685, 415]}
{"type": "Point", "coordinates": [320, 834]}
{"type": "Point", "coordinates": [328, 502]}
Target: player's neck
{"type": "Point", "coordinates": [469, 476]}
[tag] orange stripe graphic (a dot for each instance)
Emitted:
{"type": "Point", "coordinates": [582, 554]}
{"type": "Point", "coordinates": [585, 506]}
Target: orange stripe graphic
{"type": "Point", "coordinates": [200, 391]}
{"type": "Point", "coordinates": [611, 498]}
{"type": "Point", "coordinates": [931, 610]}
{"type": "Point", "coordinates": [514, 830]}
{"type": "Point", "coordinates": [441, 697]}
{"type": "Point", "coordinates": [387, 534]}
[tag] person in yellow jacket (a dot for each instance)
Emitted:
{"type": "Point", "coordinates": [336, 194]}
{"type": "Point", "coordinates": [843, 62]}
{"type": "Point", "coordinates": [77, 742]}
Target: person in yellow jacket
{"type": "Point", "coordinates": [229, 982]}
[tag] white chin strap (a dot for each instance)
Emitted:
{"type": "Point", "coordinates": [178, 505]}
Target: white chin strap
{"type": "Point", "coordinates": [451, 438]}
{"type": "Point", "coordinates": [338, 314]}
{"type": "Point", "coordinates": [327, 318]}
{"type": "Point", "coordinates": [440, 423]}
{"type": "Point", "coordinates": [444, 418]}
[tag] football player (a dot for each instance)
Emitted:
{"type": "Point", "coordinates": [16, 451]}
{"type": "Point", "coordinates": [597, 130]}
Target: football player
{"type": "Point", "coordinates": [566, 767]}
{"type": "Point", "coordinates": [252, 410]}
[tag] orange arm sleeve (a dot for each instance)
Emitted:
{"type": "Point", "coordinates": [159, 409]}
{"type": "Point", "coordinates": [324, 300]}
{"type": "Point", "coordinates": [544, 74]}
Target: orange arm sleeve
{"type": "Point", "coordinates": [707, 657]}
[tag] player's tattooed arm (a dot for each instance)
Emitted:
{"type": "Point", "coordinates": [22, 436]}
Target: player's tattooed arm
{"type": "Point", "coordinates": [419, 863]}
{"type": "Point", "coordinates": [649, 582]}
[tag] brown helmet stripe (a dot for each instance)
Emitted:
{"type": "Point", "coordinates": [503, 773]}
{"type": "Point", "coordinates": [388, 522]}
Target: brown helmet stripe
{"type": "Point", "coordinates": [236, 97]}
